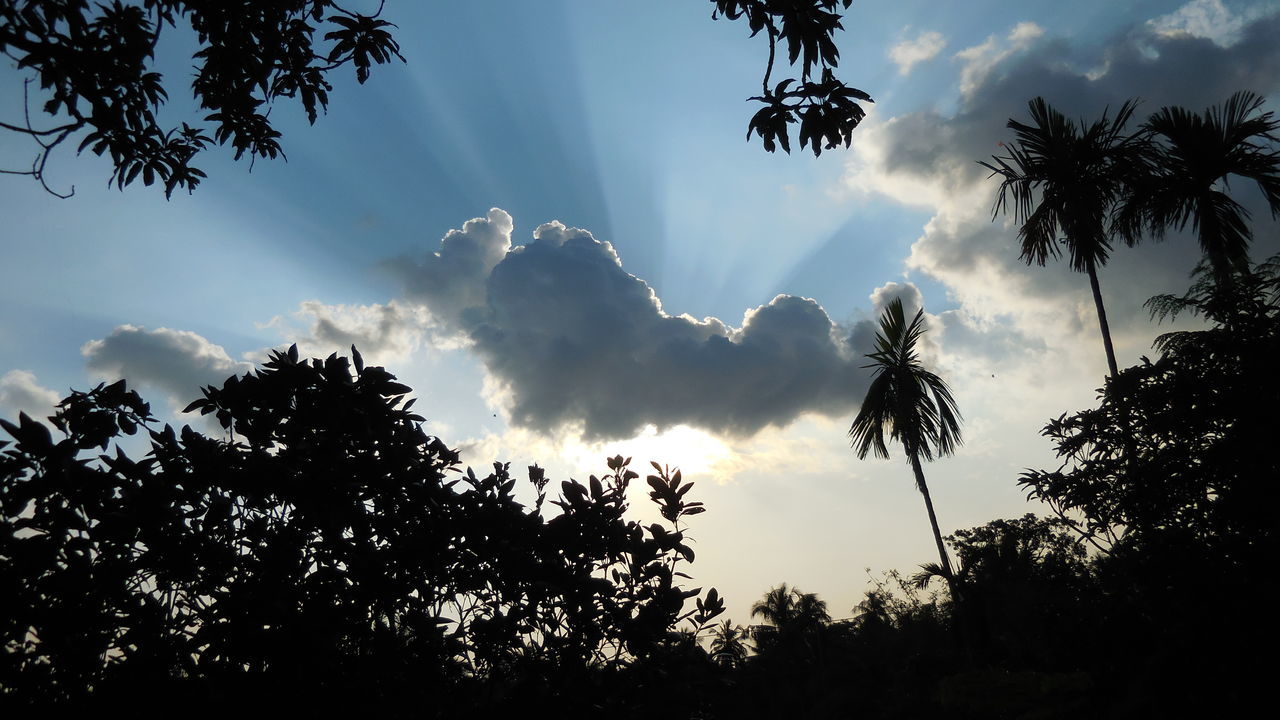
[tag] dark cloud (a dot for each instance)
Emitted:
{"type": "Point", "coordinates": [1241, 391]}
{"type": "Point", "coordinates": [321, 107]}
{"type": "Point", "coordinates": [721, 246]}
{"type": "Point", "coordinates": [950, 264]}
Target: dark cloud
{"type": "Point", "coordinates": [576, 341]}
{"type": "Point", "coordinates": [452, 279]}
{"type": "Point", "coordinates": [179, 362]}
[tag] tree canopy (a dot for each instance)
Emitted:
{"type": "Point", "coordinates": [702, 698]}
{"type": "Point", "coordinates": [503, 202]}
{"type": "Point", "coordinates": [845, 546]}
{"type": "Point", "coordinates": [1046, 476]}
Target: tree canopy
{"type": "Point", "coordinates": [825, 107]}
{"type": "Point", "coordinates": [94, 65]}
{"type": "Point", "coordinates": [325, 547]}
{"type": "Point", "coordinates": [92, 76]}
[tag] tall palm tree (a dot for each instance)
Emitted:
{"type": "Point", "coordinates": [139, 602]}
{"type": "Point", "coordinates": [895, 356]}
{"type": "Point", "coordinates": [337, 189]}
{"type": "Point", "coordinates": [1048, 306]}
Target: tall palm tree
{"type": "Point", "coordinates": [1194, 155]}
{"type": "Point", "coordinates": [1078, 173]}
{"type": "Point", "coordinates": [910, 405]}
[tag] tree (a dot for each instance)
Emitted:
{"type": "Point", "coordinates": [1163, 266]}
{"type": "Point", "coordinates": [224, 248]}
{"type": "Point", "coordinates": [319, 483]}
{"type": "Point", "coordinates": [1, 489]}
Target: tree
{"type": "Point", "coordinates": [1197, 470]}
{"type": "Point", "coordinates": [1078, 173]}
{"type": "Point", "coordinates": [325, 551]}
{"type": "Point", "coordinates": [94, 63]}
{"type": "Point", "coordinates": [1172, 477]}
{"type": "Point", "coordinates": [95, 67]}
{"type": "Point", "coordinates": [789, 609]}
{"type": "Point", "coordinates": [1193, 160]}
{"type": "Point", "coordinates": [794, 622]}
{"type": "Point", "coordinates": [729, 644]}
{"type": "Point", "coordinates": [911, 405]}
{"type": "Point", "coordinates": [826, 108]}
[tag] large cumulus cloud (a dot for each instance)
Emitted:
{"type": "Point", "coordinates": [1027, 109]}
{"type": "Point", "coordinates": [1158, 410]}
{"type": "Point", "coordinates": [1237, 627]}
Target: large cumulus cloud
{"type": "Point", "coordinates": [571, 340]}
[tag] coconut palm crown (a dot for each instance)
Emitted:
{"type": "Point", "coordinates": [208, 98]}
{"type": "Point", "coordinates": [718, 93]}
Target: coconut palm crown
{"type": "Point", "coordinates": [1079, 173]}
{"type": "Point", "coordinates": [1194, 156]}
{"type": "Point", "coordinates": [912, 405]}
{"type": "Point", "coordinates": [909, 404]}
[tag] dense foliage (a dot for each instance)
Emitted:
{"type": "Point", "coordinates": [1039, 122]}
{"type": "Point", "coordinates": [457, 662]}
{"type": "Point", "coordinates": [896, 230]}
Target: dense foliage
{"type": "Point", "coordinates": [91, 67]}
{"type": "Point", "coordinates": [826, 108]}
{"type": "Point", "coordinates": [95, 66]}
{"type": "Point", "coordinates": [325, 551]}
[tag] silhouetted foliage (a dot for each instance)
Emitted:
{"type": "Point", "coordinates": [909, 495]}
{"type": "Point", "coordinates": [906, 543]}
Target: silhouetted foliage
{"type": "Point", "coordinates": [911, 404]}
{"type": "Point", "coordinates": [97, 81]}
{"type": "Point", "coordinates": [826, 108]}
{"type": "Point", "coordinates": [95, 66]}
{"type": "Point", "coordinates": [1193, 157]}
{"type": "Point", "coordinates": [1064, 180]}
{"type": "Point", "coordinates": [1199, 418]}
{"type": "Point", "coordinates": [790, 616]}
{"type": "Point", "coordinates": [326, 551]}
{"type": "Point", "coordinates": [1173, 479]}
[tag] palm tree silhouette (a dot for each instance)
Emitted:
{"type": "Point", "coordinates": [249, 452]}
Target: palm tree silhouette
{"type": "Point", "coordinates": [911, 405]}
{"type": "Point", "coordinates": [1193, 158]}
{"type": "Point", "coordinates": [788, 613]}
{"type": "Point", "coordinates": [1079, 174]}
{"type": "Point", "coordinates": [729, 644]}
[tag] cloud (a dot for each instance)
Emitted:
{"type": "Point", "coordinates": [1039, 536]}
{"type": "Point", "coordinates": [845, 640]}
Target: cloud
{"type": "Point", "coordinates": [926, 159]}
{"type": "Point", "coordinates": [451, 281]}
{"type": "Point", "coordinates": [384, 334]}
{"type": "Point", "coordinates": [20, 392]}
{"type": "Point", "coordinates": [909, 53]}
{"type": "Point", "coordinates": [978, 61]}
{"type": "Point", "coordinates": [569, 339]}
{"type": "Point", "coordinates": [178, 362]}
{"type": "Point", "coordinates": [1209, 19]}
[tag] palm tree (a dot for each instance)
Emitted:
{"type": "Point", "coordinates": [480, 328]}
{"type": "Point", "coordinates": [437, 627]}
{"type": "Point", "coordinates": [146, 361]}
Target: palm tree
{"type": "Point", "coordinates": [788, 612]}
{"type": "Point", "coordinates": [910, 405]}
{"type": "Point", "coordinates": [1079, 174]}
{"type": "Point", "coordinates": [729, 644]}
{"type": "Point", "coordinates": [1193, 158]}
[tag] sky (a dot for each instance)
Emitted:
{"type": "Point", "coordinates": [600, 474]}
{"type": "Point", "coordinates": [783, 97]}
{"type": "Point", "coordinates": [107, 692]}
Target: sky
{"type": "Point", "coordinates": [549, 224]}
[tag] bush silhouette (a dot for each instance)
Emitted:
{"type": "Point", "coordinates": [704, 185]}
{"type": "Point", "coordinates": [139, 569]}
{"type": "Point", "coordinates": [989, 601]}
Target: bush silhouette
{"type": "Point", "coordinates": [326, 550]}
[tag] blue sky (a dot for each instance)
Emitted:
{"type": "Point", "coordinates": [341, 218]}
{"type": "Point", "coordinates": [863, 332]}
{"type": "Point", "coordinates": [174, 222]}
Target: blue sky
{"type": "Point", "coordinates": [628, 122]}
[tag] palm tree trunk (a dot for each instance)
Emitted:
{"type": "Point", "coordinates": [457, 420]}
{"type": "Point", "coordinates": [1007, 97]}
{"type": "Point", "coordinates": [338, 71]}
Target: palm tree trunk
{"type": "Point", "coordinates": [933, 521]}
{"type": "Point", "coordinates": [953, 583]}
{"type": "Point", "coordinates": [1102, 321]}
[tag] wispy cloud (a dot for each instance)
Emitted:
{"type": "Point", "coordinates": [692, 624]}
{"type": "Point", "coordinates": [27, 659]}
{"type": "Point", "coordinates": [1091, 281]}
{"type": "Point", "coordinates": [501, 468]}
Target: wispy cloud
{"type": "Point", "coordinates": [978, 61]}
{"type": "Point", "coordinates": [911, 52]}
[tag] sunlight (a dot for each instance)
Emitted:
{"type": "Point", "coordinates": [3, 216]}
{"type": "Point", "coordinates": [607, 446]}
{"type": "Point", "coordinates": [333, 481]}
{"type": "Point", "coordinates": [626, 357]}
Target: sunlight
{"type": "Point", "coordinates": [695, 452]}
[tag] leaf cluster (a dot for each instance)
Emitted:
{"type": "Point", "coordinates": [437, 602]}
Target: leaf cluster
{"type": "Point", "coordinates": [94, 62]}
{"type": "Point", "coordinates": [826, 109]}
{"type": "Point", "coordinates": [1064, 179]}
{"type": "Point", "coordinates": [325, 545]}
{"type": "Point", "coordinates": [1081, 184]}
{"type": "Point", "coordinates": [1175, 449]}
{"type": "Point", "coordinates": [912, 405]}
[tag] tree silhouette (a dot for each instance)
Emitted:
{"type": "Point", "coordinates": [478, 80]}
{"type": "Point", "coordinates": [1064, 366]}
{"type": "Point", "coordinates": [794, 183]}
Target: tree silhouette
{"type": "Point", "coordinates": [1200, 423]}
{"type": "Point", "coordinates": [1193, 159]}
{"type": "Point", "coordinates": [729, 644]}
{"type": "Point", "coordinates": [95, 67]}
{"type": "Point", "coordinates": [911, 405]}
{"type": "Point", "coordinates": [788, 609]}
{"type": "Point", "coordinates": [1078, 174]}
{"type": "Point", "coordinates": [326, 550]}
{"type": "Point", "coordinates": [826, 108]}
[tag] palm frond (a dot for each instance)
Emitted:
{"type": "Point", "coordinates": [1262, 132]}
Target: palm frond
{"type": "Point", "coordinates": [1198, 152]}
{"type": "Point", "coordinates": [904, 402]}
